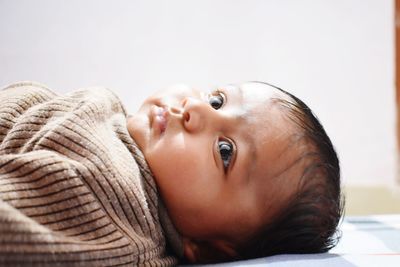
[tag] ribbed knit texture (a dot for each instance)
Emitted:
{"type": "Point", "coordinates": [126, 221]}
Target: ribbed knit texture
{"type": "Point", "coordinates": [74, 188]}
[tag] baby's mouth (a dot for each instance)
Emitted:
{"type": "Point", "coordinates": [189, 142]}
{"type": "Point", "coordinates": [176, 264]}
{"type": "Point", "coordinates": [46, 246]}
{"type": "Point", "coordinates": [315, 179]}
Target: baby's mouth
{"type": "Point", "coordinates": [160, 118]}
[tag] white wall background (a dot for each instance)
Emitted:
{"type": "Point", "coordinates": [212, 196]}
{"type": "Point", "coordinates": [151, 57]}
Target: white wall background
{"type": "Point", "coordinates": [337, 55]}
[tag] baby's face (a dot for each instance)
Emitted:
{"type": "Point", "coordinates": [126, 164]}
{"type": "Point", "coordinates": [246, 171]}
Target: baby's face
{"type": "Point", "coordinates": [219, 158]}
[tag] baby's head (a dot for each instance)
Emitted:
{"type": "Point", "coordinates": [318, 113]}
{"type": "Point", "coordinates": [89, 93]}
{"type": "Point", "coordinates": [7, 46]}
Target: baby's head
{"type": "Point", "coordinates": [244, 170]}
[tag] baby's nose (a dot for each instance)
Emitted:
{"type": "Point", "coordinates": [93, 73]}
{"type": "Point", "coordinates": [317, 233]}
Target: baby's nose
{"type": "Point", "coordinates": [176, 110]}
{"type": "Point", "coordinates": [194, 114]}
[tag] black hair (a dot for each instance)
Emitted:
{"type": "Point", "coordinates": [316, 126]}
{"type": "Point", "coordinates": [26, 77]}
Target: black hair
{"type": "Point", "coordinates": [309, 222]}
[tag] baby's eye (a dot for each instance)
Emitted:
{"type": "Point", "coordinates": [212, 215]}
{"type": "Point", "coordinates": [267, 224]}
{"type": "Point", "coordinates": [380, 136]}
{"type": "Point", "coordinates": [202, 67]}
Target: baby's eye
{"type": "Point", "coordinates": [217, 100]}
{"type": "Point", "coordinates": [226, 151]}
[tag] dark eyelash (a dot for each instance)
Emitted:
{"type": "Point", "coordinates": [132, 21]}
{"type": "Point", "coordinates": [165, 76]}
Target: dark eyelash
{"type": "Point", "coordinates": [222, 93]}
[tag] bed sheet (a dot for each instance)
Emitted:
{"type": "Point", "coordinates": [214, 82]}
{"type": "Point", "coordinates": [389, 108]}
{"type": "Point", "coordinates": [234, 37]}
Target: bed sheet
{"type": "Point", "coordinates": [366, 241]}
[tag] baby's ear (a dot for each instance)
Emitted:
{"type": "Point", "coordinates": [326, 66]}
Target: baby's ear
{"type": "Point", "coordinates": [208, 251]}
{"type": "Point", "coordinates": [190, 250]}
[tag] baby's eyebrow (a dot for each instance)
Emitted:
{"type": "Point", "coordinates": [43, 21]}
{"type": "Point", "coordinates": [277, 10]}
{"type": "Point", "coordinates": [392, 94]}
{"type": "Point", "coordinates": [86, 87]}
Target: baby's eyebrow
{"type": "Point", "coordinates": [238, 90]}
{"type": "Point", "coordinates": [252, 155]}
{"type": "Point", "coordinates": [213, 153]}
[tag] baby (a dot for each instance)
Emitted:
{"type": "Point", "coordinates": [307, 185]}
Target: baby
{"type": "Point", "coordinates": [239, 172]}
{"type": "Point", "coordinates": [245, 170]}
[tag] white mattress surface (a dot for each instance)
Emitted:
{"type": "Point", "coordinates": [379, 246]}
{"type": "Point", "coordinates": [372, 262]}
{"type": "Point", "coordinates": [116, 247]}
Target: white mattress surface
{"type": "Point", "coordinates": [366, 241]}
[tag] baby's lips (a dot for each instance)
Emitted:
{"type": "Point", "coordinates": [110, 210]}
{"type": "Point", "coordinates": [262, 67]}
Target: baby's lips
{"type": "Point", "coordinates": [160, 118]}
{"type": "Point", "coordinates": [162, 122]}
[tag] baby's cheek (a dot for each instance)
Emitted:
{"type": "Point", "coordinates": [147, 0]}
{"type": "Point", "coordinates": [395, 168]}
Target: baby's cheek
{"type": "Point", "coordinates": [165, 158]}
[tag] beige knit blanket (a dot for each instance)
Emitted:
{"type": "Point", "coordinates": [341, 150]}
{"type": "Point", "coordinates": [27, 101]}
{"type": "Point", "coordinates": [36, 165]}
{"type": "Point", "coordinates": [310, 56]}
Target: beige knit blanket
{"type": "Point", "coordinates": [74, 188]}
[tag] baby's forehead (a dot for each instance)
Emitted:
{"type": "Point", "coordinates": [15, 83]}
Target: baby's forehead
{"type": "Point", "coordinates": [262, 100]}
{"type": "Point", "coordinates": [259, 92]}
{"type": "Point", "coordinates": [270, 121]}
{"type": "Point", "coordinates": [278, 161]}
